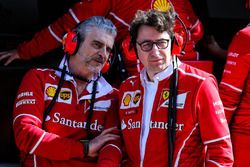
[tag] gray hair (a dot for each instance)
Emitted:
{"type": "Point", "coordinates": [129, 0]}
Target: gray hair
{"type": "Point", "coordinates": [95, 21]}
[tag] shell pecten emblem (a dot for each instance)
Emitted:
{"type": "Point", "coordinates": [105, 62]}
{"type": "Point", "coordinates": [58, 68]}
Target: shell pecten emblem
{"type": "Point", "coordinates": [127, 100]}
{"type": "Point", "coordinates": [51, 91]}
{"type": "Point", "coordinates": [161, 5]}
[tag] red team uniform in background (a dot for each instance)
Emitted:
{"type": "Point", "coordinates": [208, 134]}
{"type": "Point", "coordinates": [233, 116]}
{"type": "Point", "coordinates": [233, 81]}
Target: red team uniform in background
{"type": "Point", "coordinates": [235, 94]}
{"type": "Point", "coordinates": [200, 126]}
{"type": "Point", "coordinates": [57, 144]}
{"type": "Point", "coordinates": [120, 12]}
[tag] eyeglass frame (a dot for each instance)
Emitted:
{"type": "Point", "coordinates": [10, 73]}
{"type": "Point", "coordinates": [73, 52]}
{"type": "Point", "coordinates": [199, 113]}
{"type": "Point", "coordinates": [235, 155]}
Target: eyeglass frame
{"type": "Point", "coordinates": [152, 44]}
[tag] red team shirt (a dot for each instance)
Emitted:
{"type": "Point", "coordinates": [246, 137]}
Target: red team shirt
{"type": "Point", "coordinates": [201, 124]}
{"type": "Point", "coordinates": [121, 13]}
{"type": "Point", "coordinates": [235, 94]}
{"type": "Point", "coordinates": [58, 143]}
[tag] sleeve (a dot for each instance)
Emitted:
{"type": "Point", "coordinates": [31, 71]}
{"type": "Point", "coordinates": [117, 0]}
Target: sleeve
{"type": "Point", "coordinates": [235, 74]}
{"type": "Point", "coordinates": [27, 121]}
{"type": "Point", "coordinates": [50, 37]}
{"type": "Point", "coordinates": [197, 31]}
{"type": "Point", "coordinates": [213, 125]}
{"type": "Point", "coordinates": [111, 154]}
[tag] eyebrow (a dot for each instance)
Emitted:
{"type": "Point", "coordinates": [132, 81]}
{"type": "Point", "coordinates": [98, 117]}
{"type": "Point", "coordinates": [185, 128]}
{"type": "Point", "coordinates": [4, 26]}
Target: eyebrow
{"type": "Point", "coordinates": [102, 43]}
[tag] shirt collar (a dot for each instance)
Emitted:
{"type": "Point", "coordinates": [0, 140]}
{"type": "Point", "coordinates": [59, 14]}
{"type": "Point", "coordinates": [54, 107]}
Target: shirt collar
{"type": "Point", "coordinates": [159, 76]}
{"type": "Point", "coordinates": [103, 87]}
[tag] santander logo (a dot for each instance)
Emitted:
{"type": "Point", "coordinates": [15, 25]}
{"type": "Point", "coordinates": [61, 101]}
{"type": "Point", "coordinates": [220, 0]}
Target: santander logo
{"type": "Point", "coordinates": [56, 118]}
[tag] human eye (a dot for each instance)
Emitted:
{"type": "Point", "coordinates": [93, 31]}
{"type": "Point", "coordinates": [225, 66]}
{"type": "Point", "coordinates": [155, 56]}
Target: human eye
{"type": "Point", "coordinates": [109, 50]}
{"type": "Point", "coordinates": [97, 45]}
{"type": "Point", "coordinates": [146, 45]}
{"type": "Point", "coordinates": [163, 43]}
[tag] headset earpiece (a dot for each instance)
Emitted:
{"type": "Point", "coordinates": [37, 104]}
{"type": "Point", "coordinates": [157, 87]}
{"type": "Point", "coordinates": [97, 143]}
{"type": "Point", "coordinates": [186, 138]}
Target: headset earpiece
{"type": "Point", "coordinates": [70, 42]}
{"type": "Point", "coordinates": [105, 68]}
{"type": "Point", "coordinates": [177, 44]}
{"type": "Point", "coordinates": [107, 65]}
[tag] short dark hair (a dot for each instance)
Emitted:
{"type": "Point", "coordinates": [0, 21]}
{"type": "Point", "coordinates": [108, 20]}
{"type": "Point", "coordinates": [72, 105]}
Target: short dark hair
{"type": "Point", "coordinates": [161, 21]}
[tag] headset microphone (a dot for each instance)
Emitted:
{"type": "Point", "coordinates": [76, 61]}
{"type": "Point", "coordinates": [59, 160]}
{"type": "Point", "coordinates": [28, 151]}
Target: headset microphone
{"type": "Point", "coordinates": [105, 67]}
{"type": "Point", "coordinates": [177, 45]}
{"type": "Point", "coordinates": [179, 38]}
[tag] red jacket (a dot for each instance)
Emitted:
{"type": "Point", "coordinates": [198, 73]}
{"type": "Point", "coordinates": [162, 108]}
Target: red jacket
{"type": "Point", "coordinates": [234, 92]}
{"type": "Point", "coordinates": [120, 12]}
{"type": "Point", "coordinates": [202, 134]}
{"type": "Point", "coordinates": [58, 143]}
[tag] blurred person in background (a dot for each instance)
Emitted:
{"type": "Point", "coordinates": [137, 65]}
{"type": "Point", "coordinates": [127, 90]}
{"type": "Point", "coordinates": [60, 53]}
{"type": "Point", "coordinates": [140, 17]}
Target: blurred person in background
{"type": "Point", "coordinates": [235, 94]}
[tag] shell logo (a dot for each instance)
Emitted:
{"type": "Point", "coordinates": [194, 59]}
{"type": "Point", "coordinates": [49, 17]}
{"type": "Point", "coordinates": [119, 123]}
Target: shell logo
{"type": "Point", "coordinates": [126, 100]}
{"type": "Point", "coordinates": [161, 5]}
{"type": "Point", "coordinates": [165, 94]}
{"type": "Point", "coordinates": [51, 91]}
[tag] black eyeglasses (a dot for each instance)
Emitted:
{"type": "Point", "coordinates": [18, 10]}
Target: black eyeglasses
{"type": "Point", "coordinates": [148, 45]}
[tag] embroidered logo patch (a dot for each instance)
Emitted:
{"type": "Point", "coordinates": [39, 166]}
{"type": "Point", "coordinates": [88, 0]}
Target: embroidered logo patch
{"type": "Point", "coordinates": [161, 5]}
{"type": "Point", "coordinates": [181, 99]}
{"type": "Point", "coordinates": [127, 99]}
{"type": "Point", "coordinates": [165, 94]}
{"type": "Point", "coordinates": [131, 99]}
{"type": "Point", "coordinates": [50, 91]}
{"type": "Point", "coordinates": [65, 95]}
{"type": "Point", "coordinates": [137, 97]}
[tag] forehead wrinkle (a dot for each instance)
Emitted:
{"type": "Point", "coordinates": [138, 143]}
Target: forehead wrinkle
{"type": "Point", "coordinates": [103, 37]}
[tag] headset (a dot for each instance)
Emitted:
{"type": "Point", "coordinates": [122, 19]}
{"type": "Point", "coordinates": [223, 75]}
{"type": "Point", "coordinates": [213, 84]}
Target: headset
{"type": "Point", "coordinates": [178, 47]}
{"type": "Point", "coordinates": [178, 44]}
{"type": "Point", "coordinates": [71, 43]}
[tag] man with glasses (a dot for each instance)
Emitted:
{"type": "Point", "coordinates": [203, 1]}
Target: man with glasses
{"type": "Point", "coordinates": [171, 113]}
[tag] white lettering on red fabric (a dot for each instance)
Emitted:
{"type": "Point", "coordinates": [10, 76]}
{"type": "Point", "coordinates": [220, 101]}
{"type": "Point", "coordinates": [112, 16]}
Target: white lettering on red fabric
{"type": "Point", "coordinates": [227, 71]}
{"type": "Point", "coordinates": [217, 103]}
{"type": "Point", "coordinates": [232, 54]}
{"type": "Point", "coordinates": [22, 94]}
{"type": "Point", "coordinates": [25, 101]}
{"type": "Point", "coordinates": [75, 124]}
{"type": "Point", "coordinates": [153, 125]}
{"type": "Point", "coordinates": [231, 62]}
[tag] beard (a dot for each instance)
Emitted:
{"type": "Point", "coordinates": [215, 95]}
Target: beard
{"type": "Point", "coordinates": [95, 64]}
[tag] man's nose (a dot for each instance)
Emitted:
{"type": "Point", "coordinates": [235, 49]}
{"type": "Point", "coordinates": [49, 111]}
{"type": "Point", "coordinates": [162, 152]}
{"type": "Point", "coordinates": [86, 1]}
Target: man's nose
{"type": "Point", "coordinates": [104, 52]}
{"type": "Point", "coordinates": [155, 47]}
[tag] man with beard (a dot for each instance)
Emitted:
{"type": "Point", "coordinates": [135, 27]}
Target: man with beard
{"type": "Point", "coordinates": [67, 117]}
